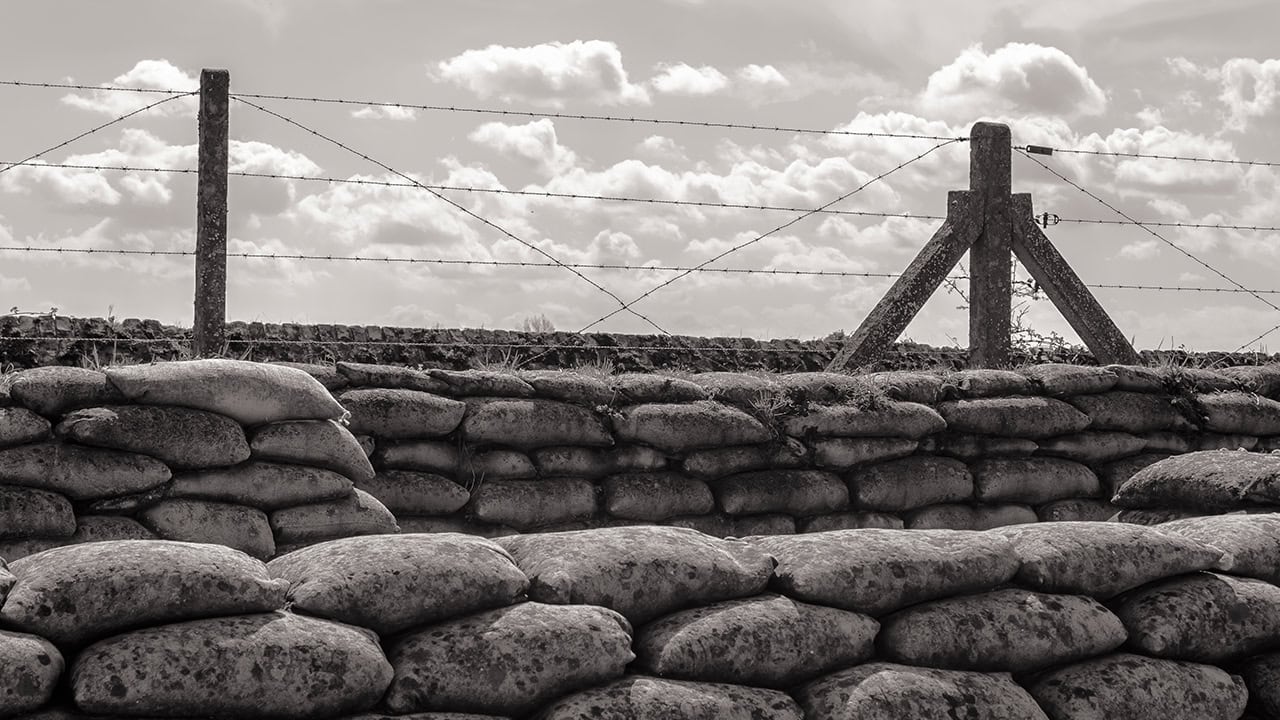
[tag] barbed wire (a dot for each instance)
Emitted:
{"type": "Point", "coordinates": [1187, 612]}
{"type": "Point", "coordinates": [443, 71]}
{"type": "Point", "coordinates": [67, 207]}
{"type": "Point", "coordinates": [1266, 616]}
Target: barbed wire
{"type": "Point", "coordinates": [108, 88]}
{"type": "Point", "coordinates": [456, 205]}
{"type": "Point", "coordinates": [1038, 149]}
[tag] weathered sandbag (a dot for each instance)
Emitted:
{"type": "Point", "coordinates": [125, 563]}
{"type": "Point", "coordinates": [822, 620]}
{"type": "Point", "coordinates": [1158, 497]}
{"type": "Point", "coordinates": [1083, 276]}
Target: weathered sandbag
{"type": "Point", "coordinates": [20, 425]}
{"type": "Point", "coordinates": [647, 698]}
{"type": "Point", "coordinates": [876, 571]}
{"type": "Point", "coordinates": [1261, 379]}
{"type": "Point", "coordinates": [410, 524]}
{"type": "Point", "coordinates": [326, 375]}
{"type": "Point", "coordinates": [265, 485]}
{"type": "Point", "coordinates": [1024, 417]}
{"type": "Point", "coordinates": [249, 393]}
{"type": "Point", "coordinates": [318, 443]}
{"type": "Point", "coordinates": [1031, 480]}
{"type": "Point", "coordinates": [6, 581]}
{"type": "Point", "coordinates": [30, 668]}
{"type": "Point", "coordinates": [596, 462]}
{"type": "Point", "coordinates": [18, 549]}
{"type": "Point", "coordinates": [1204, 617]}
{"type": "Point", "coordinates": [826, 387]}
{"type": "Point", "coordinates": [77, 593]}
{"type": "Point", "coordinates": [526, 505]}
{"type": "Point", "coordinates": [494, 464]}
{"type": "Point", "coordinates": [1153, 516]}
{"type": "Point", "coordinates": [983, 383]}
{"type": "Point", "coordinates": [795, 492]}
{"type": "Point", "coordinates": [766, 641]}
{"type": "Point", "coordinates": [1133, 687]}
{"type": "Point", "coordinates": [1093, 447]}
{"type": "Point", "coordinates": [200, 521]}
{"type": "Point", "coordinates": [716, 525]}
{"type": "Point", "coordinates": [98, 528]}
{"type": "Point", "coordinates": [1114, 474]}
{"type": "Point", "coordinates": [53, 390]}
{"type": "Point", "coordinates": [568, 386]}
{"type": "Point", "coordinates": [655, 496]}
{"type": "Point", "coordinates": [1262, 677]}
{"type": "Point", "coordinates": [401, 414]}
{"type": "Point", "coordinates": [1138, 378]}
{"type": "Point", "coordinates": [507, 661]}
{"type": "Point", "coordinates": [424, 716]}
{"type": "Point", "coordinates": [886, 419]}
{"type": "Point", "coordinates": [911, 482]}
{"type": "Point", "coordinates": [1101, 559]}
{"type": "Point", "coordinates": [844, 521]}
{"type": "Point", "coordinates": [977, 447]}
{"type": "Point", "coordinates": [954, 516]}
{"type": "Point", "coordinates": [178, 436]}
{"type": "Point", "coordinates": [81, 473]}
{"type": "Point", "coordinates": [532, 423]}
{"type": "Point", "coordinates": [718, 462]}
{"type": "Point", "coordinates": [765, 524]}
{"type": "Point", "coordinates": [130, 504]}
{"type": "Point", "coordinates": [636, 388]}
{"type": "Point", "coordinates": [31, 513]}
{"type": "Point", "coordinates": [272, 665]}
{"type": "Point", "coordinates": [744, 390]}
{"type": "Point", "coordinates": [390, 376]}
{"type": "Point", "coordinates": [1168, 443]}
{"type": "Point", "coordinates": [1218, 441]}
{"type": "Point", "coordinates": [907, 385]}
{"type": "Point", "coordinates": [415, 493]}
{"type": "Point", "coordinates": [438, 456]}
{"type": "Point", "coordinates": [886, 691]}
{"type": "Point", "coordinates": [1062, 379]}
{"type": "Point", "coordinates": [482, 383]}
{"type": "Point", "coordinates": [642, 572]}
{"type": "Point", "coordinates": [1237, 413]}
{"type": "Point", "coordinates": [687, 426]}
{"type": "Point", "coordinates": [1134, 412]}
{"type": "Point", "coordinates": [1198, 380]}
{"type": "Point", "coordinates": [1076, 510]}
{"type": "Point", "coordinates": [1214, 480]}
{"type": "Point", "coordinates": [391, 583]}
{"type": "Point", "coordinates": [1250, 544]}
{"type": "Point", "coordinates": [845, 453]}
{"type": "Point", "coordinates": [357, 514]}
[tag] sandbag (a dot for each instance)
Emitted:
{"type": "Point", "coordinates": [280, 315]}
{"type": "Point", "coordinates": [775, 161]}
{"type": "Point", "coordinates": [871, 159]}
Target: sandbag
{"type": "Point", "coordinates": [1203, 617]}
{"type": "Point", "coordinates": [911, 482]}
{"type": "Point", "coordinates": [1133, 687]}
{"type": "Point", "coordinates": [789, 454]}
{"type": "Point", "coordinates": [655, 496]}
{"type": "Point", "coordinates": [319, 443]}
{"type": "Point", "coordinates": [507, 661]}
{"type": "Point", "coordinates": [716, 525]}
{"type": "Point", "coordinates": [1062, 379]}
{"type": "Point", "coordinates": [885, 419]}
{"type": "Point", "coordinates": [1031, 480]}
{"type": "Point", "coordinates": [273, 665]}
{"type": "Point", "coordinates": [744, 390]}
{"type": "Point", "coordinates": [526, 505]}
{"type": "Point", "coordinates": [1218, 441]}
{"type": "Point", "coordinates": [6, 581]}
{"type": "Point", "coordinates": [180, 437]}
{"type": "Point", "coordinates": [1237, 413]}
{"type": "Point", "coordinates": [1138, 378]}
{"type": "Point", "coordinates": [1261, 379]}
{"type": "Point", "coordinates": [647, 698]}
{"type": "Point", "coordinates": [983, 383]}
{"type": "Point", "coordinates": [357, 514]}
{"type": "Point", "coordinates": [77, 593]}
{"type": "Point", "coordinates": [1114, 474]}
{"type": "Point", "coordinates": [825, 387]}
{"type": "Point", "coordinates": [765, 641]}
{"type": "Point", "coordinates": [52, 391]}
{"type": "Point", "coordinates": [1153, 516]}
{"type": "Point", "coordinates": [1215, 481]}
{"type": "Point", "coordinates": [199, 521]}
{"type": "Point", "coordinates": [81, 473]}
{"type": "Point", "coordinates": [493, 464]}
{"type": "Point", "coordinates": [636, 388]}
{"type": "Point", "coordinates": [907, 385]}
{"type": "Point", "coordinates": [688, 426]}
{"type": "Point", "coordinates": [571, 461]}
{"type": "Point", "coordinates": [877, 571]}
{"type": "Point", "coordinates": [1000, 631]}
{"type": "Point", "coordinates": [1023, 417]}
{"type": "Point", "coordinates": [482, 383]}
{"type": "Point", "coordinates": [1168, 443]}
{"type": "Point", "coordinates": [98, 528]}
{"type": "Point", "coordinates": [410, 524]}
{"type": "Point", "coordinates": [438, 456]}
{"type": "Point", "coordinates": [415, 493]}
{"type": "Point", "coordinates": [30, 513]}
{"type": "Point", "coordinates": [20, 425]}
{"type": "Point", "coordinates": [30, 668]}
{"type": "Point", "coordinates": [532, 423]}
{"type": "Point", "coordinates": [401, 414]}
{"type": "Point", "coordinates": [1093, 447]}
{"type": "Point", "coordinates": [326, 375]}
{"type": "Point", "coordinates": [978, 447]}
{"type": "Point", "coordinates": [264, 485]}
{"type": "Point", "coordinates": [390, 376]}
{"type": "Point", "coordinates": [1250, 544]}
{"type": "Point", "coordinates": [249, 393]}
{"type": "Point", "coordinates": [1133, 412]}
{"type": "Point", "coordinates": [886, 691]}
{"type": "Point", "coordinates": [390, 583]}
{"type": "Point", "coordinates": [18, 549]}
{"type": "Point", "coordinates": [130, 505]}
{"type": "Point", "coordinates": [954, 516]}
{"type": "Point", "coordinates": [568, 386]}
{"type": "Point", "coordinates": [765, 524]}
{"type": "Point", "coordinates": [844, 521]}
{"type": "Point", "coordinates": [1101, 559]}
{"type": "Point", "coordinates": [642, 572]}
{"type": "Point", "coordinates": [1076, 510]}
{"type": "Point", "coordinates": [424, 716]}
{"type": "Point", "coordinates": [845, 453]}
{"type": "Point", "coordinates": [795, 492]}
{"type": "Point", "coordinates": [1262, 678]}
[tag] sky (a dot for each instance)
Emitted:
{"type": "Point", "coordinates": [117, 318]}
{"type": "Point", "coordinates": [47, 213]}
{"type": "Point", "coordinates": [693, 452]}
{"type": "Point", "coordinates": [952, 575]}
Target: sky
{"type": "Point", "coordinates": [1158, 77]}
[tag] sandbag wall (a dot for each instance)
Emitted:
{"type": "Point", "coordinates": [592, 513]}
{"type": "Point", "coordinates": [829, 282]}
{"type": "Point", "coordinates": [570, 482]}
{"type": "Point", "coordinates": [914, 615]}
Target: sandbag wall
{"type": "Point", "coordinates": [1061, 621]}
{"type": "Point", "coordinates": [247, 455]}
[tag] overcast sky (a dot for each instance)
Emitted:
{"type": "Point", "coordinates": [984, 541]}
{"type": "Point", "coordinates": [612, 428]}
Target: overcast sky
{"type": "Point", "coordinates": [1171, 77]}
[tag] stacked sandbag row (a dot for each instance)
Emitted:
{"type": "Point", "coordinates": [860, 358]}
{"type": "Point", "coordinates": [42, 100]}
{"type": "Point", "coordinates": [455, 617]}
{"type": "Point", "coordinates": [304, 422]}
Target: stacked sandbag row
{"type": "Point", "coordinates": [247, 455]}
{"type": "Point", "coordinates": [1064, 621]}
{"type": "Point", "coordinates": [1201, 483]}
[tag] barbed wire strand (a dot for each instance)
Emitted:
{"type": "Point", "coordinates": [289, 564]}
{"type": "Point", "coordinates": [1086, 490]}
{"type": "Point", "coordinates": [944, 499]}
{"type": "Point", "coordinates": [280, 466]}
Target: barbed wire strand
{"type": "Point", "coordinates": [1149, 156]}
{"type": "Point", "coordinates": [457, 206]}
{"type": "Point", "coordinates": [769, 233]}
{"type": "Point", "coordinates": [93, 130]}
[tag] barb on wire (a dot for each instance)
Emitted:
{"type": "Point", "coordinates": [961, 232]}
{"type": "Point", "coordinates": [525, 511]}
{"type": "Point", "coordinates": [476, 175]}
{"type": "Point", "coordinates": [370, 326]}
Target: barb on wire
{"type": "Point", "coordinates": [108, 88]}
{"type": "Point", "coordinates": [767, 234]}
{"type": "Point", "coordinates": [456, 205]}
{"type": "Point", "coordinates": [93, 130]}
{"type": "Point", "coordinates": [1040, 150]}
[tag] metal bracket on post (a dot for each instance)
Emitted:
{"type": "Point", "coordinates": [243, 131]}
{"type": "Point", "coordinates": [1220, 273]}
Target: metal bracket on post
{"type": "Point", "coordinates": [209, 326]}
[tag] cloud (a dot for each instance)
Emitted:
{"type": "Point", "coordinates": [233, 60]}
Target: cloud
{"type": "Point", "coordinates": [384, 112]}
{"type": "Point", "coordinates": [552, 74]}
{"type": "Point", "coordinates": [682, 79]}
{"type": "Point", "coordinates": [763, 76]}
{"type": "Point", "coordinates": [535, 142]}
{"type": "Point", "coordinates": [1017, 78]}
{"type": "Point", "coordinates": [146, 74]}
{"type": "Point", "coordinates": [1250, 90]}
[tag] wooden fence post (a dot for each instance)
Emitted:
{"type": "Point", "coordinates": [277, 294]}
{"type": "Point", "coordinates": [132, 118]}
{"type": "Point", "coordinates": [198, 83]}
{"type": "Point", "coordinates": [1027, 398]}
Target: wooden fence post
{"type": "Point", "coordinates": [209, 326]}
{"type": "Point", "coordinates": [990, 258]}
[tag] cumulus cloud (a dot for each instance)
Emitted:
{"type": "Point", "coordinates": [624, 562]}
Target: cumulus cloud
{"type": "Point", "coordinates": [146, 74]}
{"type": "Point", "coordinates": [1017, 78]}
{"type": "Point", "coordinates": [762, 76]}
{"type": "Point", "coordinates": [683, 79]}
{"type": "Point", "coordinates": [384, 112]}
{"type": "Point", "coordinates": [535, 142]}
{"type": "Point", "coordinates": [553, 74]}
{"type": "Point", "coordinates": [1250, 90]}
